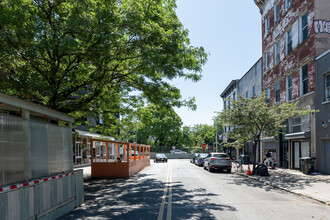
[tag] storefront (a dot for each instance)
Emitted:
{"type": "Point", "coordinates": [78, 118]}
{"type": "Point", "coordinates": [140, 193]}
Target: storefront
{"type": "Point", "coordinates": [81, 146]}
{"type": "Point", "coordinates": [299, 147]}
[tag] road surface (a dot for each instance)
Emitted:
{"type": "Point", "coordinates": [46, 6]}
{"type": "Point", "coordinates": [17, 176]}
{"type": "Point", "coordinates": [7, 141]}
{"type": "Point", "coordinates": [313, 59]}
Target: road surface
{"type": "Point", "coordinates": [181, 190]}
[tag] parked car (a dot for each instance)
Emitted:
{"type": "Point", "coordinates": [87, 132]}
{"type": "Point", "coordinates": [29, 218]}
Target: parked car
{"type": "Point", "coordinates": [219, 161]}
{"type": "Point", "coordinates": [192, 159]}
{"type": "Point", "coordinates": [177, 151]}
{"type": "Point", "coordinates": [199, 161]}
{"type": "Point", "coordinates": [160, 157]}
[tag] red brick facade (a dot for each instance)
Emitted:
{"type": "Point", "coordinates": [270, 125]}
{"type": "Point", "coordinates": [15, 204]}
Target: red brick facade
{"type": "Point", "coordinates": [301, 54]}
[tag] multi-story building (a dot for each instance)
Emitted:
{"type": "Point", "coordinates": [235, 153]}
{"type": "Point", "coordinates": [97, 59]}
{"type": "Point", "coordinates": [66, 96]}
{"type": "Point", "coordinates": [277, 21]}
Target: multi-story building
{"type": "Point", "coordinates": [294, 33]}
{"type": "Point", "coordinates": [249, 86]}
{"type": "Point", "coordinates": [323, 116]}
{"type": "Point", "coordinates": [229, 93]}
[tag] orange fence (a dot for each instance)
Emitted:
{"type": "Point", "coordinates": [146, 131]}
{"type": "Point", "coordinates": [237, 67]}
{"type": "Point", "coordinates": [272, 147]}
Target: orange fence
{"type": "Point", "coordinates": [113, 159]}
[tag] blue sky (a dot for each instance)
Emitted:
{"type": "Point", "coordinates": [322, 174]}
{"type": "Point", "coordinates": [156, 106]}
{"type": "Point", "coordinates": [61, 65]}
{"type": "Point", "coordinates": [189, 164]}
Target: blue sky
{"type": "Point", "coordinates": [230, 31]}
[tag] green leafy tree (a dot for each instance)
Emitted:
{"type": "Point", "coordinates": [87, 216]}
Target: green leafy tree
{"type": "Point", "coordinates": [252, 119]}
{"type": "Point", "coordinates": [156, 125]}
{"type": "Point", "coordinates": [94, 56]}
{"type": "Point", "coordinates": [202, 134]}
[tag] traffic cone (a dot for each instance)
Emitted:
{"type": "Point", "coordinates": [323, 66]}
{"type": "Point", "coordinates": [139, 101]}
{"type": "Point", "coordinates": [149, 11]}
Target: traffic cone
{"type": "Point", "coordinates": [249, 170]}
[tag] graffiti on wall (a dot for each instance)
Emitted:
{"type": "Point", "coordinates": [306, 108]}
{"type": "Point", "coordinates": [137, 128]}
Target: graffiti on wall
{"type": "Point", "coordinates": [322, 26]}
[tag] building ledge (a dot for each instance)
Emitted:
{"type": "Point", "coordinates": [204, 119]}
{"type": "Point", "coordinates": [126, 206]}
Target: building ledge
{"type": "Point", "coordinates": [326, 102]}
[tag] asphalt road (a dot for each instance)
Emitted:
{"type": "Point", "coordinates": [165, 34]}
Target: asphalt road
{"type": "Point", "coordinates": [181, 190]}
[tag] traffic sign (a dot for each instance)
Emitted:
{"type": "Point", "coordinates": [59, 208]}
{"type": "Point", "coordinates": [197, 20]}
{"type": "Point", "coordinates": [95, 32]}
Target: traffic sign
{"type": "Point", "coordinates": [204, 145]}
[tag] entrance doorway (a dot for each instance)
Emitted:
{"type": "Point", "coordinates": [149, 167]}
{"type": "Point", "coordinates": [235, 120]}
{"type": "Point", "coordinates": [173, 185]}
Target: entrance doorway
{"type": "Point", "coordinates": [327, 157]}
{"type": "Point", "coordinates": [284, 154]}
{"type": "Point", "coordinates": [300, 149]}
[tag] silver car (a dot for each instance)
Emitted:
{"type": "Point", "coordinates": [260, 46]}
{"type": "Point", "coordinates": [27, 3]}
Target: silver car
{"type": "Point", "coordinates": [219, 161]}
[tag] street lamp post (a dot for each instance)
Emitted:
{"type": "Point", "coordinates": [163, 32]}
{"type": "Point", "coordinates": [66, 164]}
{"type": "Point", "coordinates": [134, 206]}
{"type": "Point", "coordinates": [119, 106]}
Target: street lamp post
{"type": "Point", "coordinates": [216, 136]}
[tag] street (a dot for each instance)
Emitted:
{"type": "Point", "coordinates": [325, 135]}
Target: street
{"type": "Point", "coordinates": [181, 190]}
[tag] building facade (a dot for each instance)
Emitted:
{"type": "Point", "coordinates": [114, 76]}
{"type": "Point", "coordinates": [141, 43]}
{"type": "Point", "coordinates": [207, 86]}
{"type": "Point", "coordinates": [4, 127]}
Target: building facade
{"type": "Point", "coordinates": [249, 86]}
{"type": "Point", "coordinates": [230, 92]}
{"type": "Point", "coordinates": [294, 33]}
{"type": "Point", "coordinates": [323, 116]}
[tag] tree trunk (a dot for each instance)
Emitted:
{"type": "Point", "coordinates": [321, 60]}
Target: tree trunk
{"type": "Point", "coordinates": [255, 156]}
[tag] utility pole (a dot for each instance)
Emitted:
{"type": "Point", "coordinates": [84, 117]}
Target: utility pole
{"type": "Point", "coordinates": [216, 137]}
{"type": "Point", "coordinates": [136, 133]}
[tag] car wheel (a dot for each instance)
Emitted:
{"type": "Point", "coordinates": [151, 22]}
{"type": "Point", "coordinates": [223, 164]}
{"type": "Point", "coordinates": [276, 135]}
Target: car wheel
{"type": "Point", "coordinates": [228, 170]}
{"type": "Point", "coordinates": [210, 169]}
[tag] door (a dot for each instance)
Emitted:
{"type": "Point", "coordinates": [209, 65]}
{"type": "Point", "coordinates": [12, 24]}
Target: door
{"type": "Point", "coordinates": [296, 151]}
{"type": "Point", "coordinates": [327, 157]}
{"type": "Point", "coordinates": [284, 154]}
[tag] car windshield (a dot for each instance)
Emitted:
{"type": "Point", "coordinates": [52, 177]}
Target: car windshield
{"type": "Point", "coordinates": [203, 155]}
{"type": "Point", "coordinates": [160, 155]}
{"type": "Point", "coordinates": [220, 155]}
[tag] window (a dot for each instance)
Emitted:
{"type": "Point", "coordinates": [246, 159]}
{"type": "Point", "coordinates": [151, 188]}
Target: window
{"type": "Point", "coordinates": [296, 125]}
{"type": "Point", "coordinates": [304, 79]}
{"type": "Point", "coordinates": [289, 88]}
{"type": "Point", "coordinates": [277, 53]}
{"type": "Point", "coordinates": [277, 92]}
{"type": "Point", "coordinates": [303, 28]}
{"type": "Point", "coordinates": [277, 13]}
{"type": "Point", "coordinates": [267, 25]}
{"type": "Point", "coordinates": [267, 61]}
{"type": "Point", "coordinates": [288, 41]}
{"type": "Point", "coordinates": [254, 91]}
{"type": "Point", "coordinates": [234, 96]}
{"type": "Point", "coordinates": [247, 94]}
{"type": "Point", "coordinates": [327, 87]}
{"type": "Point", "coordinates": [268, 96]}
{"type": "Point", "coordinates": [287, 4]}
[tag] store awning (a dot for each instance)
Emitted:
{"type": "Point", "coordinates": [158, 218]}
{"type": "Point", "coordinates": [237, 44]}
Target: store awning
{"type": "Point", "coordinates": [93, 135]}
{"type": "Point", "coordinates": [268, 139]}
{"type": "Point", "coordinates": [298, 135]}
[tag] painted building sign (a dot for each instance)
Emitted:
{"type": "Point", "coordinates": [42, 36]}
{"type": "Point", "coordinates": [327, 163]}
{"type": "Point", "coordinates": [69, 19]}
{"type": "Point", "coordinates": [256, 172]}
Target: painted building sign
{"type": "Point", "coordinates": [322, 26]}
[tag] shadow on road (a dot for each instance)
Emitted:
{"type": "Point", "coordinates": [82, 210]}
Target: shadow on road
{"type": "Point", "coordinates": [280, 179]}
{"type": "Point", "coordinates": [140, 197]}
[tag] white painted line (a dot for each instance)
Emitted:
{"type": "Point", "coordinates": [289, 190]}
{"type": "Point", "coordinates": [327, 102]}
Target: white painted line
{"type": "Point", "coordinates": [169, 203]}
{"type": "Point", "coordinates": [162, 206]}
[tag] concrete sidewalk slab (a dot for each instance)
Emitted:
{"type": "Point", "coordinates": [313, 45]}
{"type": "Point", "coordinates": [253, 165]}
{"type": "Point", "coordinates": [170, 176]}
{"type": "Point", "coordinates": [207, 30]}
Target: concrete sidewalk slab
{"type": "Point", "coordinates": [316, 187]}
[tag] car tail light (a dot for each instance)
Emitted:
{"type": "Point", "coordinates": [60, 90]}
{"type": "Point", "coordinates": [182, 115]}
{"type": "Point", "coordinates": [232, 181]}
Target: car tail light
{"type": "Point", "coordinates": [228, 159]}
{"type": "Point", "coordinates": [213, 158]}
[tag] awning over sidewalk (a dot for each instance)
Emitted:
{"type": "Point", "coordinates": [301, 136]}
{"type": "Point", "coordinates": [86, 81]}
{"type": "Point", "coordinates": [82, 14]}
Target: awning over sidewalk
{"type": "Point", "coordinates": [268, 139]}
{"type": "Point", "coordinates": [298, 135]}
{"type": "Point", "coordinates": [93, 135]}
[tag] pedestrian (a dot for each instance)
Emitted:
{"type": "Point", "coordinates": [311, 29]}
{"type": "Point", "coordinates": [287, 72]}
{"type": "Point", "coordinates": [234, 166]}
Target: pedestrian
{"type": "Point", "coordinates": [269, 159]}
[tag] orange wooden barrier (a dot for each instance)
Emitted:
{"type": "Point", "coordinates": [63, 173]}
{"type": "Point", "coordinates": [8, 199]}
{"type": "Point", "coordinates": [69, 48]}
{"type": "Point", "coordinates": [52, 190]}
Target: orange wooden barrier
{"type": "Point", "coordinates": [123, 163]}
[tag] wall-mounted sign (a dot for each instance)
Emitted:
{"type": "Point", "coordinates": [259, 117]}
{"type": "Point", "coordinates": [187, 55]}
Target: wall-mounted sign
{"type": "Point", "coordinates": [322, 26]}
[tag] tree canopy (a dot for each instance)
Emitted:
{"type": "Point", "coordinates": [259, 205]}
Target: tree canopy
{"type": "Point", "coordinates": [251, 119]}
{"type": "Point", "coordinates": [95, 56]}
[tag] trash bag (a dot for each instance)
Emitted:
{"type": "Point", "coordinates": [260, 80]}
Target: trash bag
{"type": "Point", "coordinates": [261, 170]}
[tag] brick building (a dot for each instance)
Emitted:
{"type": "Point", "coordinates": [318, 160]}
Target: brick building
{"type": "Point", "coordinates": [294, 33]}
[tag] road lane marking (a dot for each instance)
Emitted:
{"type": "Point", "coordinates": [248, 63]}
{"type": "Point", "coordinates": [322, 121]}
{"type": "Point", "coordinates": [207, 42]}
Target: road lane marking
{"type": "Point", "coordinates": [162, 206]}
{"type": "Point", "coordinates": [169, 204]}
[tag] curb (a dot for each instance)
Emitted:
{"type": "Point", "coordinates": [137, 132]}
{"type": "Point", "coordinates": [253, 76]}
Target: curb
{"type": "Point", "coordinates": [284, 189]}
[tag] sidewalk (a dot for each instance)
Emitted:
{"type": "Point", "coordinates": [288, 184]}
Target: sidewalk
{"type": "Point", "coordinates": [316, 187]}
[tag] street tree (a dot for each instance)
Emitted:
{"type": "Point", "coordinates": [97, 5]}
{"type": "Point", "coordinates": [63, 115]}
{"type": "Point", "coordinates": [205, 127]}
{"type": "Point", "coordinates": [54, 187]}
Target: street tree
{"type": "Point", "coordinates": [94, 56]}
{"type": "Point", "coordinates": [252, 119]}
{"type": "Point", "coordinates": [154, 124]}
